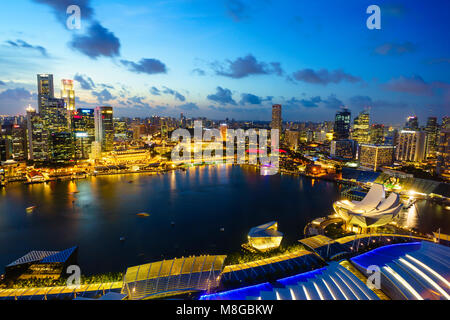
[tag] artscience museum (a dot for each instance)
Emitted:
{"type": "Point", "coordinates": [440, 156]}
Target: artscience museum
{"type": "Point", "coordinates": [373, 211]}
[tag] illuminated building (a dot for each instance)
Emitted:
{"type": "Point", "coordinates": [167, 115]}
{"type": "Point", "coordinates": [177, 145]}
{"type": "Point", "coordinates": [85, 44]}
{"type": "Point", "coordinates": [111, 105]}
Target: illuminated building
{"type": "Point", "coordinates": [265, 237]}
{"type": "Point", "coordinates": [54, 114]}
{"type": "Point", "coordinates": [412, 123]}
{"type": "Point", "coordinates": [164, 130]}
{"type": "Point", "coordinates": [36, 136]}
{"type": "Point", "coordinates": [291, 137]}
{"type": "Point", "coordinates": [411, 146]}
{"type": "Point", "coordinates": [443, 154]}
{"type": "Point", "coordinates": [342, 124]}
{"type": "Point", "coordinates": [45, 89]}
{"type": "Point", "coordinates": [223, 131]}
{"type": "Point", "coordinates": [61, 147]}
{"type": "Point", "coordinates": [345, 149]}
{"type": "Point", "coordinates": [375, 156]}
{"type": "Point", "coordinates": [373, 211]}
{"type": "Point", "coordinates": [120, 130]}
{"type": "Point", "coordinates": [42, 264]}
{"type": "Point", "coordinates": [277, 122]}
{"type": "Point", "coordinates": [96, 150]}
{"type": "Point", "coordinates": [171, 277]}
{"type": "Point", "coordinates": [377, 134]}
{"type": "Point", "coordinates": [83, 126]}
{"type": "Point", "coordinates": [432, 137]}
{"type": "Point", "coordinates": [361, 127]}
{"type": "Point", "coordinates": [104, 128]}
{"type": "Point", "coordinates": [68, 94]}
{"type": "Point", "coordinates": [19, 142]}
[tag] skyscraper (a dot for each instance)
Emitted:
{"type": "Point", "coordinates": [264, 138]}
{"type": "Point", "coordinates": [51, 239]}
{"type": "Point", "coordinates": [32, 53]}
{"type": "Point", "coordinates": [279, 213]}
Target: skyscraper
{"type": "Point", "coordinates": [223, 131]}
{"type": "Point", "coordinates": [361, 127]}
{"type": "Point", "coordinates": [432, 137]}
{"type": "Point", "coordinates": [411, 146]}
{"type": "Point", "coordinates": [377, 134]}
{"type": "Point", "coordinates": [36, 136]}
{"type": "Point", "coordinates": [45, 89]}
{"type": "Point", "coordinates": [84, 132]}
{"type": "Point", "coordinates": [277, 122]}
{"type": "Point", "coordinates": [54, 114]}
{"type": "Point", "coordinates": [443, 154]}
{"type": "Point", "coordinates": [68, 94]}
{"type": "Point", "coordinates": [412, 123]}
{"type": "Point", "coordinates": [375, 156]}
{"type": "Point", "coordinates": [104, 128]}
{"type": "Point", "coordinates": [342, 124]}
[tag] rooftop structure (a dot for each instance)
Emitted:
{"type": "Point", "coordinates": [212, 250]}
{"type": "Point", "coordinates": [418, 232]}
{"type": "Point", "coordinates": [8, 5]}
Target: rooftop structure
{"type": "Point", "coordinates": [373, 211]}
{"type": "Point", "coordinates": [171, 277]}
{"type": "Point", "coordinates": [265, 237]}
{"type": "Point", "coordinates": [41, 264]}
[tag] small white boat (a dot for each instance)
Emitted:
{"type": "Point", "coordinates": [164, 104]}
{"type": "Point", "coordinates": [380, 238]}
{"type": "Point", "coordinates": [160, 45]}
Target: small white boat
{"type": "Point", "coordinates": [31, 209]}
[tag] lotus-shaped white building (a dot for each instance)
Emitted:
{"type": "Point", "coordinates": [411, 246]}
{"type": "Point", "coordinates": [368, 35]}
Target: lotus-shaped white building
{"type": "Point", "coordinates": [373, 211]}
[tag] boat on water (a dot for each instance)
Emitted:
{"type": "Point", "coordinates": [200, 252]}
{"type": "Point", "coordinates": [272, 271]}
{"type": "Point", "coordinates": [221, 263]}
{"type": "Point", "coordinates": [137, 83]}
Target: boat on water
{"type": "Point", "coordinates": [122, 239]}
{"type": "Point", "coordinates": [30, 209]}
{"type": "Point", "coordinates": [143, 214]}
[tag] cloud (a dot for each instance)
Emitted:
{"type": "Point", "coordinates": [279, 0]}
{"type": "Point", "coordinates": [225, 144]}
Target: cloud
{"type": "Point", "coordinates": [103, 95]}
{"type": "Point", "coordinates": [16, 94]}
{"type": "Point", "coordinates": [13, 101]}
{"type": "Point", "coordinates": [148, 66]}
{"type": "Point", "coordinates": [332, 102]}
{"type": "Point", "coordinates": [155, 91]}
{"type": "Point", "coordinates": [199, 71]}
{"type": "Point", "coordinates": [188, 107]}
{"type": "Point", "coordinates": [222, 96]}
{"type": "Point", "coordinates": [23, 44]}
{"type": "Point", "coordinates": [248, 98]}
{"type": "Point", "coordinates": [391, 48]}
{"type": "Point", "coordinates": [438, 60]}
{"type": "Point", "coordinates": [137, 102]}
{"type": "Point", "coordinates": [307, 103]}
{"type": "Point", "coordinates": [324, 77]}
{"type": "Point", "coordinates": [85, 81]}
{"type": "Point", "coordinates": [236, 9]}
{"type": "Point", "coordinates": [246, 66]}
{"type": "Point", "coordinates": [413, 85]}
{"type": "Point", "coordinates": [360, 102]}
{"type": "Point", "coordinates": [97, 42]}
{"type": "Point", "coordinates": [176, 94]}
{"type": "Point", "coordinates": [60, 6]}
{"type": "Point", "coordinates": [2, 83]}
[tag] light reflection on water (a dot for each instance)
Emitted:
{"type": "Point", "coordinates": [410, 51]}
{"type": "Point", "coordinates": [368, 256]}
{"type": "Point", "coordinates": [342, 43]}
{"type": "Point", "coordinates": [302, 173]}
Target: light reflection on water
{"type": "Point", "coordinates": [200, 201]}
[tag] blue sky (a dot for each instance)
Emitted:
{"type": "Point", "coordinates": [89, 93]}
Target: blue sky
{"type": "Point", "coordinates": [232, 58]}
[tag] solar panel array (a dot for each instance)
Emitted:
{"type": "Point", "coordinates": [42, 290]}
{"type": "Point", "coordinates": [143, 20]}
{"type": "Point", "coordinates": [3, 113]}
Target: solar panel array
{"type": "Point", "coordinates": [177, 275]}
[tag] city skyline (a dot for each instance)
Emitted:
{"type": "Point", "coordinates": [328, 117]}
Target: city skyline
{"type": "Point", "coordinates": [234, 63]}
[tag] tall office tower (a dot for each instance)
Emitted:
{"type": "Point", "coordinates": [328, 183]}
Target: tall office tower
{"type": "Point", "coordinates": [411, 146]}
{"type": "Point", "coordinates": [120, 129]}
{"type": "Point", "coordinates": [277, 122]}
{"type": "Point", "coordinates": [45, 89]}
{"type": "Point", "coordinates": [445, 123]}
{"type": "Point", "coordinates": [342, 124]}
{"type": "Point", "coordinates": [54, 114]}
{"type": "Point", "coordinates": [291, 137]}
{"type": "Point", "coordinates": [164, 130]}
{"type": "Point", "coordinates": [412, 123]}
{"type": "Point", "coordinates": [377, 134]}
{"type": "Point", "coordinates": [432, 137]}
{"type": "Point", "coordinates": [83, 127]}
{"type": "Point", "coordinates": [68, 94]}
{"type": "Point", "coordinates": [223, 131]}
{"type": "Point", "coordinates": [61, 147]}
{"type": "Point", "coordinates": [37, 136]}
{"type": "Point", "coordinates": [361, 127]}
{"type": "Point", "coordinates": [19, 142]}
{"type": "Point", "coordinates": [375, 156]}
{"type": "Point", "coordinates": [104, 128]}
{"type": "Point", "coordinates": [443, 154]}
